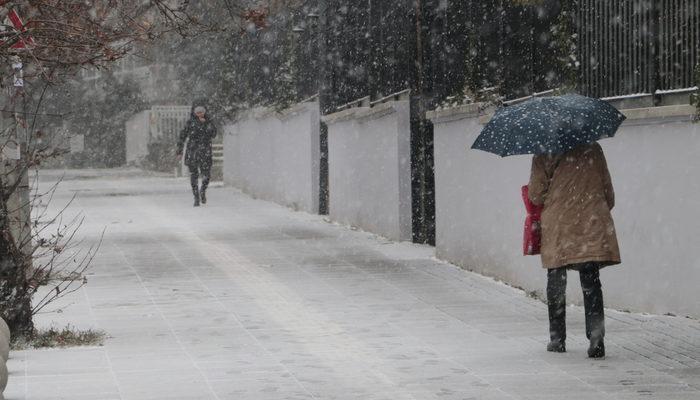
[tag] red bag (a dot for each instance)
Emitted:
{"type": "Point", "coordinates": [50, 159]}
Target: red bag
{"type": "Point", "coordinates": [532, 238]}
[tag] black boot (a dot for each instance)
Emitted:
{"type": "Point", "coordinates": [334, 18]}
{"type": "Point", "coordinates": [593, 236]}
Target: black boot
{"type": "Point", "coordinates": [593, 306]}
{"type": "Point", "coordinates": [195, 192]}
{"type": "Point", "coordinates": [205, 183]}
{"type": "Point", "coordinates": [556, 304]}
{"type": "Point", "coordinates": [194, 183]}
{"type": "Point", "coordinates": [597, 349]}
{"type": "Point", "coordinates": [556, 346]}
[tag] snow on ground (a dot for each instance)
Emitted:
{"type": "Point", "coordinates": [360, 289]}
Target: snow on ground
{"type": "Point", "coordinates": [243, 299]}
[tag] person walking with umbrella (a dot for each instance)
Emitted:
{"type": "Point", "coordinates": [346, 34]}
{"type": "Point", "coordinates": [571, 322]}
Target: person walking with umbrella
{"type": "Point", "coordinates": [578, 233]}
{"type": "Point", "coordinates": [570, 179]}
{"type": "Point", "coordinates": [199, 132]}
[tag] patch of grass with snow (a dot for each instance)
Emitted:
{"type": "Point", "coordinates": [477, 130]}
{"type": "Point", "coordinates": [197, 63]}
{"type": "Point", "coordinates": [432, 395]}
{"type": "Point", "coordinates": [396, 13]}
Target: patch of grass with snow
{"type": "Point", "coordinates": [59, 338]}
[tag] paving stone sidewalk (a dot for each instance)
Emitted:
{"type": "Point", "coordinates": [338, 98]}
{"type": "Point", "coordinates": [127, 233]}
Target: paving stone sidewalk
{"type": "Point", "coordinates": [243, 299]}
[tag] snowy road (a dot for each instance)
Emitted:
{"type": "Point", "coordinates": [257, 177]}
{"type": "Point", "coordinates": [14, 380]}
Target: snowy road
{"type": "Point", "coordinates": [242, 299]}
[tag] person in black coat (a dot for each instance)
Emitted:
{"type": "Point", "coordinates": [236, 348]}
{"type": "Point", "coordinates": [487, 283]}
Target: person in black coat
{"type": "Point", "coordinates": [199, 132]}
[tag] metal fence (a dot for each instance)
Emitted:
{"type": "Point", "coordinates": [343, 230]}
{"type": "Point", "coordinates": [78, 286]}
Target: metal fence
{"type": "Point", "coordinates": [624, 46]}
{"type": "Point", "coordinates": [378, 47]}
{"type": "Point", "coordinates": [679, 43]}
{"type": "Point", "coordinates": [637, 46]}
{"type": "Point", "coordinates": [166, 122]}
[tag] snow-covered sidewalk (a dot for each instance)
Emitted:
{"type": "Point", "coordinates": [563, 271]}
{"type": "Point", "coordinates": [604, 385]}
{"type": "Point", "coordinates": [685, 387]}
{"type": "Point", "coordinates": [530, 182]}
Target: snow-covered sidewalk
{"type": "Point", "coordinates": [243, 299]}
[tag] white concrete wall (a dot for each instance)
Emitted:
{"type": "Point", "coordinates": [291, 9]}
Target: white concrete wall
{"type": "Point", "coordinates": [369, 153]}
{"type": "Point", "coordinates": [275, 156]}
{"type": "Point", "coordinates": [655, 167]}
{"type": "Point", "coordinates": [137, 137]}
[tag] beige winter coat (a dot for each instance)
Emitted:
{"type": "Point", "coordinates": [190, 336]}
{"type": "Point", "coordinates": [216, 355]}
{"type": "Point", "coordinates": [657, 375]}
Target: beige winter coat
{"type": "Point", "coordinates": [577, 194]}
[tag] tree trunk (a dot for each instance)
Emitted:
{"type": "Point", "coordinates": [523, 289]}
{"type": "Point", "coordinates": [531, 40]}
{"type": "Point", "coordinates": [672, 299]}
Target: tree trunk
{"type": "Point", "coordinates": [15, 292]}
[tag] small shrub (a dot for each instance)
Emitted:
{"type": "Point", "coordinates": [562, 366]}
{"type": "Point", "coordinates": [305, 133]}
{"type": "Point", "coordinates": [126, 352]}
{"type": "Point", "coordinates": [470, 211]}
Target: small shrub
{"type": "Point", "coordinates": [53, 337]}
{"type": "Point", "coordinates": [161, 156]}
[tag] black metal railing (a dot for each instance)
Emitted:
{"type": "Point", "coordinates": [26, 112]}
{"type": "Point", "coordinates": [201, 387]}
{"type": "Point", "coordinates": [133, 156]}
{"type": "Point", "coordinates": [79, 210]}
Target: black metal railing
{"type": "Point", "coordinates": [679, 43]}
{"type": "Point", "coordinates": [375, 47]}
{"type": "Point", "coordinates": [637, 46]}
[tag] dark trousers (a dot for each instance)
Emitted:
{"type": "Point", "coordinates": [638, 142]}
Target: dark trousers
{"type": "Point", "coordinates": [195, 172]}
{"type": "Point", "coordinates": [592, 301]}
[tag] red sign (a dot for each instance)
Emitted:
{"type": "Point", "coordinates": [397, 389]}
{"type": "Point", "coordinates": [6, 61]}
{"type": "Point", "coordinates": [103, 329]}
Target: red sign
{"type": "Point", "coordinates": [25, 41]}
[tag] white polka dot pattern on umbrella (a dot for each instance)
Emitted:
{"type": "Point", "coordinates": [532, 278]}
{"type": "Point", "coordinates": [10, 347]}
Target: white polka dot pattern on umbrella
{"type": "Point", "coordinates": [552, 125]}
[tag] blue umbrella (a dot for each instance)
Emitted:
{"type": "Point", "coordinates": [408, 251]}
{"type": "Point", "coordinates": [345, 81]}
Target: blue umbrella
{"type": "Point", "coordinates": [548, 125]}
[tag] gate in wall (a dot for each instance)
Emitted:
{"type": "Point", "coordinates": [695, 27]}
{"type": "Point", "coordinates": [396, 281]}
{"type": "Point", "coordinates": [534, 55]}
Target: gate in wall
{"type": "Point", "coordinates": [166, 123]}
